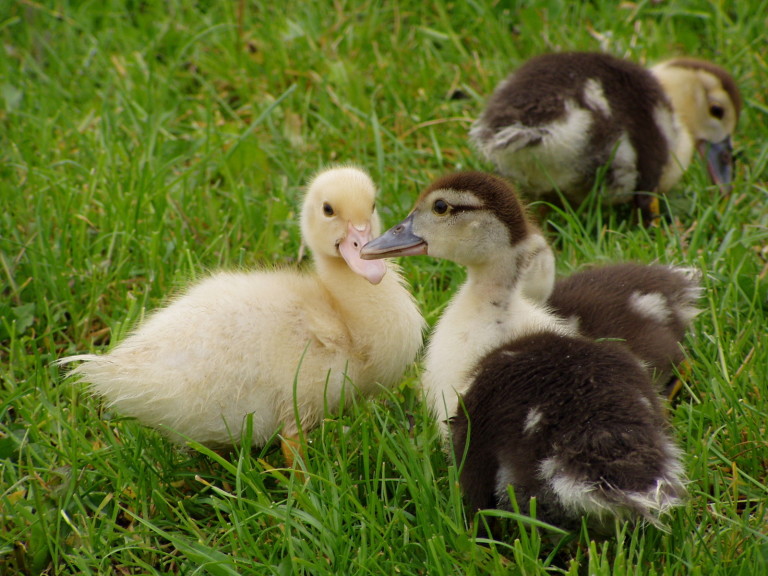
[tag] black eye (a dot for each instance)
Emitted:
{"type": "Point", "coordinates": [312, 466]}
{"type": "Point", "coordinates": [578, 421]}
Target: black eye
{"type": "Point", "coordinates": [327, 209]}
{"type": "Point", "coordinates": [717, 111]}
{"type": "Point", "coordinates": [440, 207]}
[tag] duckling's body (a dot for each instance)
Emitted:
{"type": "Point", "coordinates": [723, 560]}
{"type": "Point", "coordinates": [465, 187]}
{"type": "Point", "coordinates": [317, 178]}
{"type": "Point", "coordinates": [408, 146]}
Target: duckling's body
{"type": "Point", "coordinates": [554, 122]}
{"type": "Point", "coordinates": [569, 421]}
{"type": "Point", "coordinates": [501, 366]}
{"type": "Point", "coordinates": [649, 307]}
{"type": "Point", "coordinates": [270, 343]}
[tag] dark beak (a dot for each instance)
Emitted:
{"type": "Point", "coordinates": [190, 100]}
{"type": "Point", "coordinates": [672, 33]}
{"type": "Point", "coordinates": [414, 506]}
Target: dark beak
{"type": "Point", "coordinates": [719, 158]}
{"type": "Point", "coordinates": [397, 241]}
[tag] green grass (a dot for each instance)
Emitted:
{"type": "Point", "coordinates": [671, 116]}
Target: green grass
{"type": "Point", "coordinates": [144, 142]}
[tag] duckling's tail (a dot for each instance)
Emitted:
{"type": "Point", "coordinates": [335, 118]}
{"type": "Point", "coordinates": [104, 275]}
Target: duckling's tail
{"type": "Point", "coordinates": [77, 358]}
{"type": "Point", "coordinates": [689, 290]}
{"type": "Point", "coordinates": [651, 505]}
{"type": "Point", "coordinates": [97, 371]}
{"type": "Point", "coordinates": [490, 141]}
{"type": "Point", "coordinates": [603, 485]}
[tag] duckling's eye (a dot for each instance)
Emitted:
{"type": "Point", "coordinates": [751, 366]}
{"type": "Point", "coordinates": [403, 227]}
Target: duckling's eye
{"type": "Point", "coordinates": [327, 209]}
{"type": "Point", "coordinates": [717, 111]}
{"type": "Point", "coordinates": [440, 207]}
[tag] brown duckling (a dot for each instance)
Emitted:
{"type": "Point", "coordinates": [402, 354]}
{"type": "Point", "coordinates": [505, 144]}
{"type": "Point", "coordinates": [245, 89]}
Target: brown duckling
{"type": "Point", "coordinates": [556, 120]}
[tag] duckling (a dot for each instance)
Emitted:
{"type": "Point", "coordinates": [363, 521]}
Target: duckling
{"type": "Point", "coordinates": [281, 345]}
{"type": "Point", "coordinates": [555, 121]}
{"type": "Point", "coordinates": [573, 422]}
{"type": "Point", "coordinates": [648, 307]}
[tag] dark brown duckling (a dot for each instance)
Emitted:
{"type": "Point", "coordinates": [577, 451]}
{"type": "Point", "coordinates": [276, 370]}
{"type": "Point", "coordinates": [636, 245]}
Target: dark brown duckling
{"type": "Point", "coordinates": [572, 422]}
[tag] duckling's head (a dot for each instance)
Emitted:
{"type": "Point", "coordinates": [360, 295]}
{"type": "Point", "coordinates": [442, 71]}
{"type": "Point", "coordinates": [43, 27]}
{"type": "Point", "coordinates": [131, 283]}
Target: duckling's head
{"type": "Point", "coordinates": [467, 217]}
{"type": "Point", "coordinates": [339, 217]}
{"type": "Point", "coordinates": [708, 102]}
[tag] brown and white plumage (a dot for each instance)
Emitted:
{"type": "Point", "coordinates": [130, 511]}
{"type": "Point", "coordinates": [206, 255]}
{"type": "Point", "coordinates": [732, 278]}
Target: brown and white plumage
{"type": "Point", "coordinates": [533, 404]}
{"type": "Point", "coordinates": [243, 343]}
{"type": "Point", "coordinates": [556, 120]}
{"type": "Point", "coordinates": [648, 307]}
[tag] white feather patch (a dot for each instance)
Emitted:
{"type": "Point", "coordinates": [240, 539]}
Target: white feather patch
{"type": "Point", "coordinates": [532, 420]}
{"type": "Point", "coordinates": [595, 97]}
{"type": "Point", "coordinates": [652, 305]}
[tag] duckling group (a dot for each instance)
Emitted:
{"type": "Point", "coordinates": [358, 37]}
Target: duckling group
{"type": "Point", "coordinates": [542, 388]}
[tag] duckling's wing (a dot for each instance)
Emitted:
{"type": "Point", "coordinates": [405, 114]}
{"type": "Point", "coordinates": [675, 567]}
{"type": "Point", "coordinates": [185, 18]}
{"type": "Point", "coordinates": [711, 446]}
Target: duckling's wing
{"type": "Point", "coordinates": [513, 138]}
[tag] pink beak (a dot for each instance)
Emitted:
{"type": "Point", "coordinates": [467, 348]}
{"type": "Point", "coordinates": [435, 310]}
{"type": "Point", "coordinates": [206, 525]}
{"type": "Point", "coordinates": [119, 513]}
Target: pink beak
{"type": "Point", "coordinates": [356, 238]}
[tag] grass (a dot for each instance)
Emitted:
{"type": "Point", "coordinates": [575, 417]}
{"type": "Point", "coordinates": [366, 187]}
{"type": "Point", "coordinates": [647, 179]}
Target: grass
{"type": "Point", "coordinates": [144, 142]}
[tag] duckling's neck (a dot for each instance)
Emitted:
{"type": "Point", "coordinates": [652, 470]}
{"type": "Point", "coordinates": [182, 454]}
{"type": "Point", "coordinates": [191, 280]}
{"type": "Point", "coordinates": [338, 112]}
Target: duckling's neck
{"type": "Point", "coordinates": [381, 320]}
{"type": "Point", "coordinates": [677, 124]}
{"type": "Point", "coordinates": [348, 288]}
{"type": "Point", "coordinates": [491, 309]}
{"type": "Point", "coordinates": [511, 291]}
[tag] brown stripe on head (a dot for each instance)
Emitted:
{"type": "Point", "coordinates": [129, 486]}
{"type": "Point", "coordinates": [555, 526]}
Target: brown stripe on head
{"type": "Point", "coordinates": [729, 84]}
{"type": "Point", "coordinates": [495, 194]}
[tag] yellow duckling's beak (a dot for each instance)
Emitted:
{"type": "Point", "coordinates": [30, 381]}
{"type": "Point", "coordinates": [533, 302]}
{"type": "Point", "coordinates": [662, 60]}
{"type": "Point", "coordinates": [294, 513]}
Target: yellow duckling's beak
{"type": "Point", "coordinates": [349, 248]}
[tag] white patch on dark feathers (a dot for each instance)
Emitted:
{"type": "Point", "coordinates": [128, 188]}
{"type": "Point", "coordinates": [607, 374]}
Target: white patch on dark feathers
{"type": "Point", "coordinates": [652, 305]}
{"type": "Point", "coordinates": [581, 497]}
{"type": "Point", "coordinates": [595, 97]}
{"type": "Point", "coordinates": [548, 468]}
{"type": "Point", "coordinates": [578, 496]}
{"type": "Point", "coordinates": [685, 307]}
{"type": "Point", "coordinates": [644, 366]}
{"type": "Point", "coordinates": [623, 171]}
{"type": "Point", "coordinates": [532, 420]}
{"type": "Point", "coordinates": [574, 322]}
{"type": "Point", "coordinates": [513, 138]}
{"type": "Point", "coordinates": [550, 153]}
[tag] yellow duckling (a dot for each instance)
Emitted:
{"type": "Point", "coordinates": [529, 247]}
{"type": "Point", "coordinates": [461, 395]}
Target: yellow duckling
{"type": "Point", "coordinates": [271, 344]}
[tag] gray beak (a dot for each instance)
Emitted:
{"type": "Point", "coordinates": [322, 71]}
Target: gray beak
{"type": "Point", "coordinates": [719, 158]}
{"type": "Point", "coordinates": [397, 241]}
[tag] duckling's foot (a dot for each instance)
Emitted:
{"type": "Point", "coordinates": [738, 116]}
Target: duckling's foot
{"type": "Point", "coordinates": [675, 383]}
{"type": "Point", "coordinates": [291, 447]}
{"type": "Point", "coordinates": [673, 387]}
{"type": "Point", "coordinates": [648, 204]}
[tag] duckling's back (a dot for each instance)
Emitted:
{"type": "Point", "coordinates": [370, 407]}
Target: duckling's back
{"type": "Point", "coordinates": [649, 308]}
{"type": "Point", "coordinates": [572, 422]}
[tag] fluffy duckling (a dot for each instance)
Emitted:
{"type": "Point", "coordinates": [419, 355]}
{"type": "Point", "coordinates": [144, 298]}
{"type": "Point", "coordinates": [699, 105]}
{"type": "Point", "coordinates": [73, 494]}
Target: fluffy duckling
{"type": "Point", "coordinates": [268, 343]}
{"type": "Point", "coordinates": [649, 307]}
{"type": "Point", "coordinates": [555, 121]}
{"type": "Point", "coordinates": [573, 422]}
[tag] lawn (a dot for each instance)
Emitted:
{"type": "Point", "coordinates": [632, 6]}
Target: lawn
{"type": "Point", "coordinates": [145, 143]}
